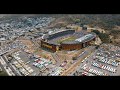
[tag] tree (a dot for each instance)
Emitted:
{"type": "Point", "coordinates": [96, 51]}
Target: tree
{"type": "Point", "coordinates": [96, 31]}
{"type": "Point", "coordinates": [74, 58]}
{"type": "Point", "coordinates": [103, 36]}
{"type": "Point", "coordinates": [77, 20]}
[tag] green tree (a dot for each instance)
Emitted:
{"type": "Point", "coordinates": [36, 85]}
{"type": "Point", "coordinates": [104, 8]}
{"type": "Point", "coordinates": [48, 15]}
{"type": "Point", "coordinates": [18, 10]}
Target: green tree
{"type": "Point", "coordinates": [74, 58]}
{"type": "Point", "coordinates": [103, 36]}
{"type": "Point", "coordinates": [77, 20]}
{"type": "Point", "coordinates": [96, 31]}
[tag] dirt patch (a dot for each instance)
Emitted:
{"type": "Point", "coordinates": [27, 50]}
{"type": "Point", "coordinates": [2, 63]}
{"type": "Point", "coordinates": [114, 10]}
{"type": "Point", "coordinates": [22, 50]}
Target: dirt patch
{"type": "Point", "coordinates": [30, 46]}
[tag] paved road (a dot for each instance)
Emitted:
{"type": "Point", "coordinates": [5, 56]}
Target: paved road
{"type": "Point", "coordinates": [6, 67]}
{"type": "Point", "coordinates": [11, 67]}
{"type": "Point", "coordinates": [2, 67]}
{"type": "Point", "coordinates": [81, 57]}
{"type": "Point", "coordinates": [76, 64]}
{"type": "Point", "coordinates": [85, 60]}
{"type": "Point", "coordinates": [56, 59]}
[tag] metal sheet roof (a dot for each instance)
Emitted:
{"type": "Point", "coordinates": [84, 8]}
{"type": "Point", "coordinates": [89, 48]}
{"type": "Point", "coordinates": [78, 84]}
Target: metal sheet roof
{"type": "Point", "coordinates": [86, 37]}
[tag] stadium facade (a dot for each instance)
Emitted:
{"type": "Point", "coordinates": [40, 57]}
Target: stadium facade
{"type": "Point", "coordinates": [82, 39]}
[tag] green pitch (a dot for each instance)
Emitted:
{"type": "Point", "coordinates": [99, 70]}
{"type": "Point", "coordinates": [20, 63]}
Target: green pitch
{"type": "Point", "coordinates": [66, 39]}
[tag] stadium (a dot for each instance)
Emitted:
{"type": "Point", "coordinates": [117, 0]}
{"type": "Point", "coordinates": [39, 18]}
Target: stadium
{"type": "Point", "coordinates": [67, 40]}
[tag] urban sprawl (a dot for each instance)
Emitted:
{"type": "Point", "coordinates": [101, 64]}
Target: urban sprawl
{"type": "Point", "coordinates": [28, 47]}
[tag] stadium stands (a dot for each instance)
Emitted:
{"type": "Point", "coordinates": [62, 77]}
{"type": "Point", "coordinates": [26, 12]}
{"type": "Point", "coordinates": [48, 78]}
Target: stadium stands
{"type": "Point", "coordinates": [60, 34]}
{"type": "Point", "coordinates": [69, 40]}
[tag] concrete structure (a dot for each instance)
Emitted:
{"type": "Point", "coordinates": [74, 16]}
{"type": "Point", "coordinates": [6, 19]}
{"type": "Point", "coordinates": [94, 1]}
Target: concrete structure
{"type": "Point", "coordinates": [81, 41]}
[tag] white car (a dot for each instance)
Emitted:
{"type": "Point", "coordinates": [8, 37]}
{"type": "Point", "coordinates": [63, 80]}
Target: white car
{"type": "Point", "coordinates": [31, 70]}
{"type": "Point", "coordinates": [111, 69]}
{"type": "Point", "coordinates": [114, 70]}
{"type": "Point", "coordinates": [105, 67]}
{"type": "Point", "coordinates": [98, 65]}
{"type": "Point", "coordinates": [18, 58]}
{"type": "Point", "coordinates": [35, 64]}
{"type": "Point", "coordinates": [97, 72]}
{"type": "Point", "coordinates": [108, 68]}
{"type": "Point", "coordinates": [105, 61]}
{"type": "Point", "coordinates": [93, 71]}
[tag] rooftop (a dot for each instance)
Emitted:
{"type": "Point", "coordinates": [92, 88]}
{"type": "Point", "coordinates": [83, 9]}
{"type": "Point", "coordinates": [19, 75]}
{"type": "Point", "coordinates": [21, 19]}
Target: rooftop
{"type": "Point", "coordinates": [86, 37]}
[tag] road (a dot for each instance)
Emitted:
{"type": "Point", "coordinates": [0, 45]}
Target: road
{"type": "Point", "coordinates": [85, 60]}
{"type": "Point", "coordinates": [11, 66]}
{"type": "Point", "coordinates": [56, 58]}
{"type": "Point", "coordinates": [6, 67]}
{"type": "Point", "coordinates": [3, 69]}
{"type": "Point", "coordinates": [75, 65]}
{"type": "Point", "coordinates": [81, 57]}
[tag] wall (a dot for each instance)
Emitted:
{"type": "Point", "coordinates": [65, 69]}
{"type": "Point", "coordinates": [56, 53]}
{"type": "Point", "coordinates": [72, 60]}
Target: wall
{"type": "Point", "coordinates": [71, 46]}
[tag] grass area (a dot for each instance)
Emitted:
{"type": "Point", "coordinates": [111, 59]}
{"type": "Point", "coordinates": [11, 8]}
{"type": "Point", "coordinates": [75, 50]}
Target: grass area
{"type": "Point", "coordinates": [66, 39]}
{"type": "Point", "coordinates": [2, 73]}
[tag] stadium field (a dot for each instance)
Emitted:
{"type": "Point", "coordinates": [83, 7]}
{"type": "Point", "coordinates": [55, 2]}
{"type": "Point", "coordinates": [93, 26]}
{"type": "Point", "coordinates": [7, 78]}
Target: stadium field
{"type": "Point", "coordinates": [71, 38]}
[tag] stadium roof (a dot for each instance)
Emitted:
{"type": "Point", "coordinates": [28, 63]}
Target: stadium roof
{"type": "Point", "coordinates": [86, 37]}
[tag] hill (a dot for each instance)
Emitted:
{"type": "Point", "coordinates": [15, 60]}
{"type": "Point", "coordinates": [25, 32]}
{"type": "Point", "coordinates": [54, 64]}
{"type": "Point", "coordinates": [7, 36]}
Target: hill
{"type": "Point", "coordinates": [106, 21]}
{"type": "Point", "coordinates": [109, 22]}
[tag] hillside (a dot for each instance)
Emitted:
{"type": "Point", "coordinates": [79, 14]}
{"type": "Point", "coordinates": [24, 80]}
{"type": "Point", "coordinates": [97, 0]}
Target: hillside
{"type": "Point", "coordinates": [103, 20]}
{"type": "Point", "coordinates": [109, 22]}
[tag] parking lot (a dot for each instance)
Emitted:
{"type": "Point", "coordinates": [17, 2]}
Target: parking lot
{"type": "Point", "coordinates": [32, 65]}
{"type": "Point", "coordinates": [103, 62]}
{"type": "Point", "coordinates": [19, 63]}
